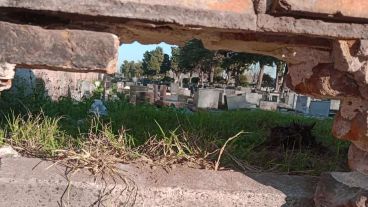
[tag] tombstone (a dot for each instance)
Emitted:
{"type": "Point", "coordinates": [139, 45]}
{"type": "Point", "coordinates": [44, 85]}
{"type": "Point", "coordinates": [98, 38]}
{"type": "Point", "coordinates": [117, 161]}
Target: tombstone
{"type": "Point", "coordinates": [120, 87]}
{"type": "Point", "coordinates": [129, 84]}
{"type": "Point", "coordinates": [246, 89]}
{"type": "Point", "coordinates": [302, 104]}
{"type": "Point", "coordinates": [184, 92]}
{"type": "Point", "coordinates": [253, 98]}
{"type": "Point", "coordinates": [320, 108]}
{"type": "Point", "coordinates": [274, 97]}
{"type": "Point", "coordinates": [207, 98]}
{"type": "Point", "coordinates": [335, 105]}
{"type": "Point", "coordinates": [268, 105]}
{"type": "Point", "coordinates": [291, 99]}
{"type": "Point", "coordinates": [174, 88]}
{"type": "Point", "coordinates": [156, 93]}
{"type": "Point", "coordinates": [238, 102]}
{"type": "Point", "coordinates": [163, 90]}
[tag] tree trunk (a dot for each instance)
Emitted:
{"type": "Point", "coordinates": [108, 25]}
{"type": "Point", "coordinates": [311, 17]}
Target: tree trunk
{"type": "Point", "coordinates": [202, 77]}
{"type": "Point", "coordinates": [277, 81]}
{"type": "Point", "coordinates": [212, 74]}
{"type": "Point", "coordinates": [237, 79]}
{"type": "Point", "coordinates": [260, 77]}
{"type": "Point", "coordinates": [283, 84]}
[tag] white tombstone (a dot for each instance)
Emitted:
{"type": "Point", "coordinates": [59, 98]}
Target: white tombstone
{"type": "Point", "coordinates": [302, 104]}
{"type": "Point", "coordinates": [268, 105]}
{"type": "Point", "coordinates": [320, 108]}
{"type": "Point", "coordinates": [207, 98]}
{"type": "Point", "coordinates": [291, 100]}
{"type": "Point", "coordinates": [174, 88]}
{"type": "Point", "coordinates": [253, 98]}
{"type": "Point", "coordinates": [238, 102]}
{"type": "Point", "coordinates": [184, 92]}
{"type": "Point", "coordinates": [335, 105]}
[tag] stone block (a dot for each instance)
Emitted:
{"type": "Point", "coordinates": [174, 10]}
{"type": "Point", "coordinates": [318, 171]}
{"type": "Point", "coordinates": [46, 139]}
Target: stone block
{"type": "Point", "coordinates": [207, 98]}
{"type": "Point", "coordinates": [348, 189]}
{"type": "Point", "coordinates": [253, 98]}
{"type": "Point", "coordinates": [333, 9]}
{"type": "Point", "coordinates": [174, 88]}
{"type": "Point", "coordinates": [268, 106]}
{"type": "Point", "coordinates": [238, 102]}
{"type": "Point", "coordinates": [34, 182]}
{"type": "Point", "coordinates": [320, 108]}
{"type": "Point", "coordinates": [67, 50]}
{"type": "Point", "coordinates": [358, 159]}
{"type": "Point", "coordinates": [210, 13]}
{"type": "Point", "coordinates": [185, 92]}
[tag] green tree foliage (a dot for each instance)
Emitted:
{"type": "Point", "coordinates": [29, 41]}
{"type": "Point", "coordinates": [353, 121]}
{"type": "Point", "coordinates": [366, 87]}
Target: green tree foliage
{"type": "Point", "coordinates": [194, 57]}
{"type": "Point", "coordinates": [235, 64]}
{"type": "Point", "coordinates": [131, 69]}
{"type": "Point", "coordinates": [175, 60]}
{"type": "Point", "coordinates": [152, 61]}
{"type": "Point", "coordinates": [166, 64]}
{"type": "Point", "coordinates": [263, 62]}
{"type": "Point", "coordinates": [268, 81]}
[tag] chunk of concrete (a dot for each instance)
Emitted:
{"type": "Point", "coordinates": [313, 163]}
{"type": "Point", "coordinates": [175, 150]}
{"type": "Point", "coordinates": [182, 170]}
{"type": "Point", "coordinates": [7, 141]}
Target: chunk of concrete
{"type": "Point", "coordinates": [67, 50]}
{"type": "Point", "coordinates": [358, 159]}
{"type": "Point", "coordinates": [333, 9]}
{"type": "Point", "coordinates": [342, 189]}
{"type": "Point", "coordinates": [211, 13]}
{"type": "Point", "coordinates": [268, 23]}
{"type": "Point", "coordinates": [33, 182]}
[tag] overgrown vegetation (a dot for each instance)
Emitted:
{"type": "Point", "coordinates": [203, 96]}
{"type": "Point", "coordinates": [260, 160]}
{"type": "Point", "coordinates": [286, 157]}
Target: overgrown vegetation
{"type": "Point", "coordinates": [39, 127]}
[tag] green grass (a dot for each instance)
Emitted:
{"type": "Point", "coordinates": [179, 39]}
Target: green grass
{"type": "Point", "coordinates": [58, 125]}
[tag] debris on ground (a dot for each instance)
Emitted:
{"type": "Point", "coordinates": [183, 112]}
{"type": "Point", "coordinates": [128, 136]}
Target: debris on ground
{"type": "Point", "coordinates": [98, 108]}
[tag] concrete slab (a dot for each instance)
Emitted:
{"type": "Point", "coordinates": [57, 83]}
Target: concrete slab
{"type": "Point", "coordinates": [31, 182]}
{"type": "Point", "coordinates": [65, 50]}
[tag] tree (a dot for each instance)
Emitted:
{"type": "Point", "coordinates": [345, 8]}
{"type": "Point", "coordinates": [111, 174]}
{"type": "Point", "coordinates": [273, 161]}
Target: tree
{"type": "Point", "coordinates": [268, 81]}
{"type": "Point", "coordinates": [166, 64]}
{"type": "Point", "coordinates": [175, 61]}
{"type": "Point", "coordinates": [280, 73]}
{"type": "Point", "coordinates": [131, 69]}
{"type": "Point", "coordinates": [235, 64]}
{"type": "Point", "coordinates": [152, 61]}
{"type": "Point", "coordinates": [263, 62]}
{"type": "Point", "coordinates": [194, 57]}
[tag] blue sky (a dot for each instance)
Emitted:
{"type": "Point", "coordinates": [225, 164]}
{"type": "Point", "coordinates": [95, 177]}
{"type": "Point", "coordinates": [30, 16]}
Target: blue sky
{"type": "Point", "coordinates": [136, 50]}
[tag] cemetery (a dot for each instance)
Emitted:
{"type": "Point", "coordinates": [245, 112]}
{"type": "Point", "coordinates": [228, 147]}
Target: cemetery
{"type": "Point", "coordinates": [206, 125]}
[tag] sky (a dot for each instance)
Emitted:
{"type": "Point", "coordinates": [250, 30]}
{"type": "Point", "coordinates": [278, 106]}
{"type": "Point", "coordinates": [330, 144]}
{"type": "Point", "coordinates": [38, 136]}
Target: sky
{"type": "Point", "coordinates": [135, 51]}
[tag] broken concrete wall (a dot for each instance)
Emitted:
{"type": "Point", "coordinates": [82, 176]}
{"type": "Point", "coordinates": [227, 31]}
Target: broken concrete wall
{"type": "Point", "coordinates": [57, 84]}
{"type": "Point", "coordinates": [324, 42]}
